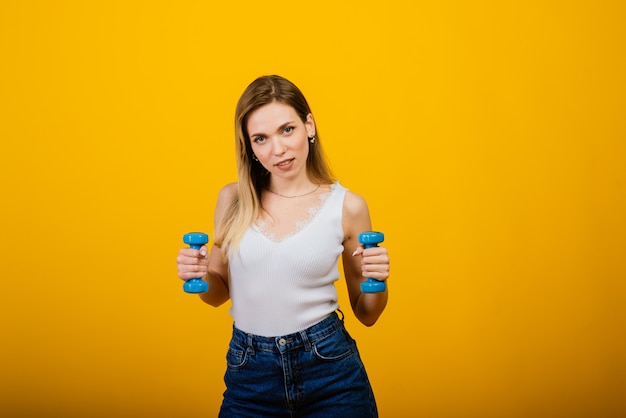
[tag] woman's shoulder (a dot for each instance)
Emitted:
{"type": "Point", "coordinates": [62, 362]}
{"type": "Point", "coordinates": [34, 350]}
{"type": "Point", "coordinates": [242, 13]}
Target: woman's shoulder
{"type": "Point", "coordinates": [354, 203]}
{"type": "Point", "coordinates": [226, 195]}
{"type": "Point", "coordinates": [356, 215]}
{"type": "Point", "coordinates": [228, 192]}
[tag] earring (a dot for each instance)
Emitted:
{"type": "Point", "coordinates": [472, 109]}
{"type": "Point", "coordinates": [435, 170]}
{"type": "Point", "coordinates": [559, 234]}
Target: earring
{"type": "Point", "coordinates": [254, 157]}
{"type": "Point", "coordinates": [312, 139]}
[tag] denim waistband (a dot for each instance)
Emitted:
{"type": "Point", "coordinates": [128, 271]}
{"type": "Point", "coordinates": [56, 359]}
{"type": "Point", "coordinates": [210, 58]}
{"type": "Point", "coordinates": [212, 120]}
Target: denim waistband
{"type": "Point", "coordinates": [293, 341]}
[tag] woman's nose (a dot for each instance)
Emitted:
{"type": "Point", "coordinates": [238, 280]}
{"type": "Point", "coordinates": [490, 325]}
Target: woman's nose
{"type": "Point", "coordinates": [279, 147]}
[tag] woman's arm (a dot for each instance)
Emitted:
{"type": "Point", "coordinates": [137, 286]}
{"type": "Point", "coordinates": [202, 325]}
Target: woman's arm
{"type": "Point", "coordinates": [210, 266]}
{"type": "Point", "coordinates": [360, 263]}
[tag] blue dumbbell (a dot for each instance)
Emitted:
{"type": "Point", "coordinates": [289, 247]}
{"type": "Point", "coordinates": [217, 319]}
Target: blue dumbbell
{"type": "Point", "coordinates": [195, 241]}
{"type": "Point", "coordinates": [369, 240]}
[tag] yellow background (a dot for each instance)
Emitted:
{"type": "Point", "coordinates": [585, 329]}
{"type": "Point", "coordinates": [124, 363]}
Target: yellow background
{"type": "Point", "coordinates": [488, 137]}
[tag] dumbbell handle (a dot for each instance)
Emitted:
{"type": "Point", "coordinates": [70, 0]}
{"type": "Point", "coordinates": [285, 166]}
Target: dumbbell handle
{"type": "Point", "coordinates": [368, 240]}
{"type": "Point", "coordinates": [196, 240]}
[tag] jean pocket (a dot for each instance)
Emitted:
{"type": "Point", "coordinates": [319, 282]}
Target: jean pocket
{"type": "Point", "coordinates": [236, 358]}
{"type": "Point", "coordinates": [333, 347]}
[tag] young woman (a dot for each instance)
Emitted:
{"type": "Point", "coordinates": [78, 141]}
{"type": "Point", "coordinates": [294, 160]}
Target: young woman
{"type": "Point", "coordinates": [280, 231]}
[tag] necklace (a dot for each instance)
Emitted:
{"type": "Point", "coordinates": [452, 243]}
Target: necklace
{"type": "Point", "coordinates": [291, 197]}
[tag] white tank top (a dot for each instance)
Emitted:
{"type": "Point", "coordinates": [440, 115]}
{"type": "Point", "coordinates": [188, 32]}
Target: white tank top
{"type": "Point", "coordinates": [281, 287]}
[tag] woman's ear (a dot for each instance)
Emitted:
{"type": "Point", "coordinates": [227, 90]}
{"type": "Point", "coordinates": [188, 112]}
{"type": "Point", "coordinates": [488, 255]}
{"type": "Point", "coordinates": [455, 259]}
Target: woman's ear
{"type": "Point", "coordinates": [310, 125]}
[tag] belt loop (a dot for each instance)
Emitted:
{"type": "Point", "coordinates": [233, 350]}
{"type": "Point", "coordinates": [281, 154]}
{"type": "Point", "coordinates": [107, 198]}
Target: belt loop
{"type": "Point", "coordinates": [305, 340]}
{"type": "Point", "coordinates": [342, 315]}
{"type": "Point", "coordinates": [250, 344]}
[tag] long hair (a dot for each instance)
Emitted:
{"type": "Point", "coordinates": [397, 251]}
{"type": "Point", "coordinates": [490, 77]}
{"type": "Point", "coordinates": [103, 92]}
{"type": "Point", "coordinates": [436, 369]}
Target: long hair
{"type": "Point", "coordinates": [244, 209]}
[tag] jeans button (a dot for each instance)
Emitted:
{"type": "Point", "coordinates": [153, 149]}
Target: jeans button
{"type": "Point", "coordinates": [282, 342]}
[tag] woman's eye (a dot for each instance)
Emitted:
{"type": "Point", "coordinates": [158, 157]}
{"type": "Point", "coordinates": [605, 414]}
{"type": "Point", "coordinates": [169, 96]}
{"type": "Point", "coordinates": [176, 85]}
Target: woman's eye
{"type": "Point", "coordinates": [258, 139]}
{"type": "Point", "coordinates": [288, 129]}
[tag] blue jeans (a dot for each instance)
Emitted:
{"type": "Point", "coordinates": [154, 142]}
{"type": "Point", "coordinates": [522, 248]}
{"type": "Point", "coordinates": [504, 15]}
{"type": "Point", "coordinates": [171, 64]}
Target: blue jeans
{"type": "Point", "coordinates": [314, 373]}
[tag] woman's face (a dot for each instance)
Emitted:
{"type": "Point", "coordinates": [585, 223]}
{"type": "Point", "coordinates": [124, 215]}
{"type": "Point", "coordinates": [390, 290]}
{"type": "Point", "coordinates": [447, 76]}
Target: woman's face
{"type": "Point", "coordinates": [279, 139]}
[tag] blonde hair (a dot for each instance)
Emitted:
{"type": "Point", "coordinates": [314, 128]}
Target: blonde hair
{"type": "Point", "coordinates": [245, 208]}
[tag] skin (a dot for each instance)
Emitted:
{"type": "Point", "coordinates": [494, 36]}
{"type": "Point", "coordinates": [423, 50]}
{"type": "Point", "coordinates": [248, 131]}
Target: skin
{"type": "Point", "coordinates": [279, 140]}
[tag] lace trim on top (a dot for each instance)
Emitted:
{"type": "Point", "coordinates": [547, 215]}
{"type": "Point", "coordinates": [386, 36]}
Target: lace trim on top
{"type": "Point", "coordinates": [300, 224]}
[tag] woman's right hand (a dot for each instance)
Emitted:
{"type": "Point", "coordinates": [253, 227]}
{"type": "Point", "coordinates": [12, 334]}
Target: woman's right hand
{"type": "Point", "coordinates": [192, 263]}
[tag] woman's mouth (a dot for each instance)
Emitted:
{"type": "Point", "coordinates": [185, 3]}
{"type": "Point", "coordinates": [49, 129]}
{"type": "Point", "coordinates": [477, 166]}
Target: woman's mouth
{"type": "Point", "coordinates": [284, 164]}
